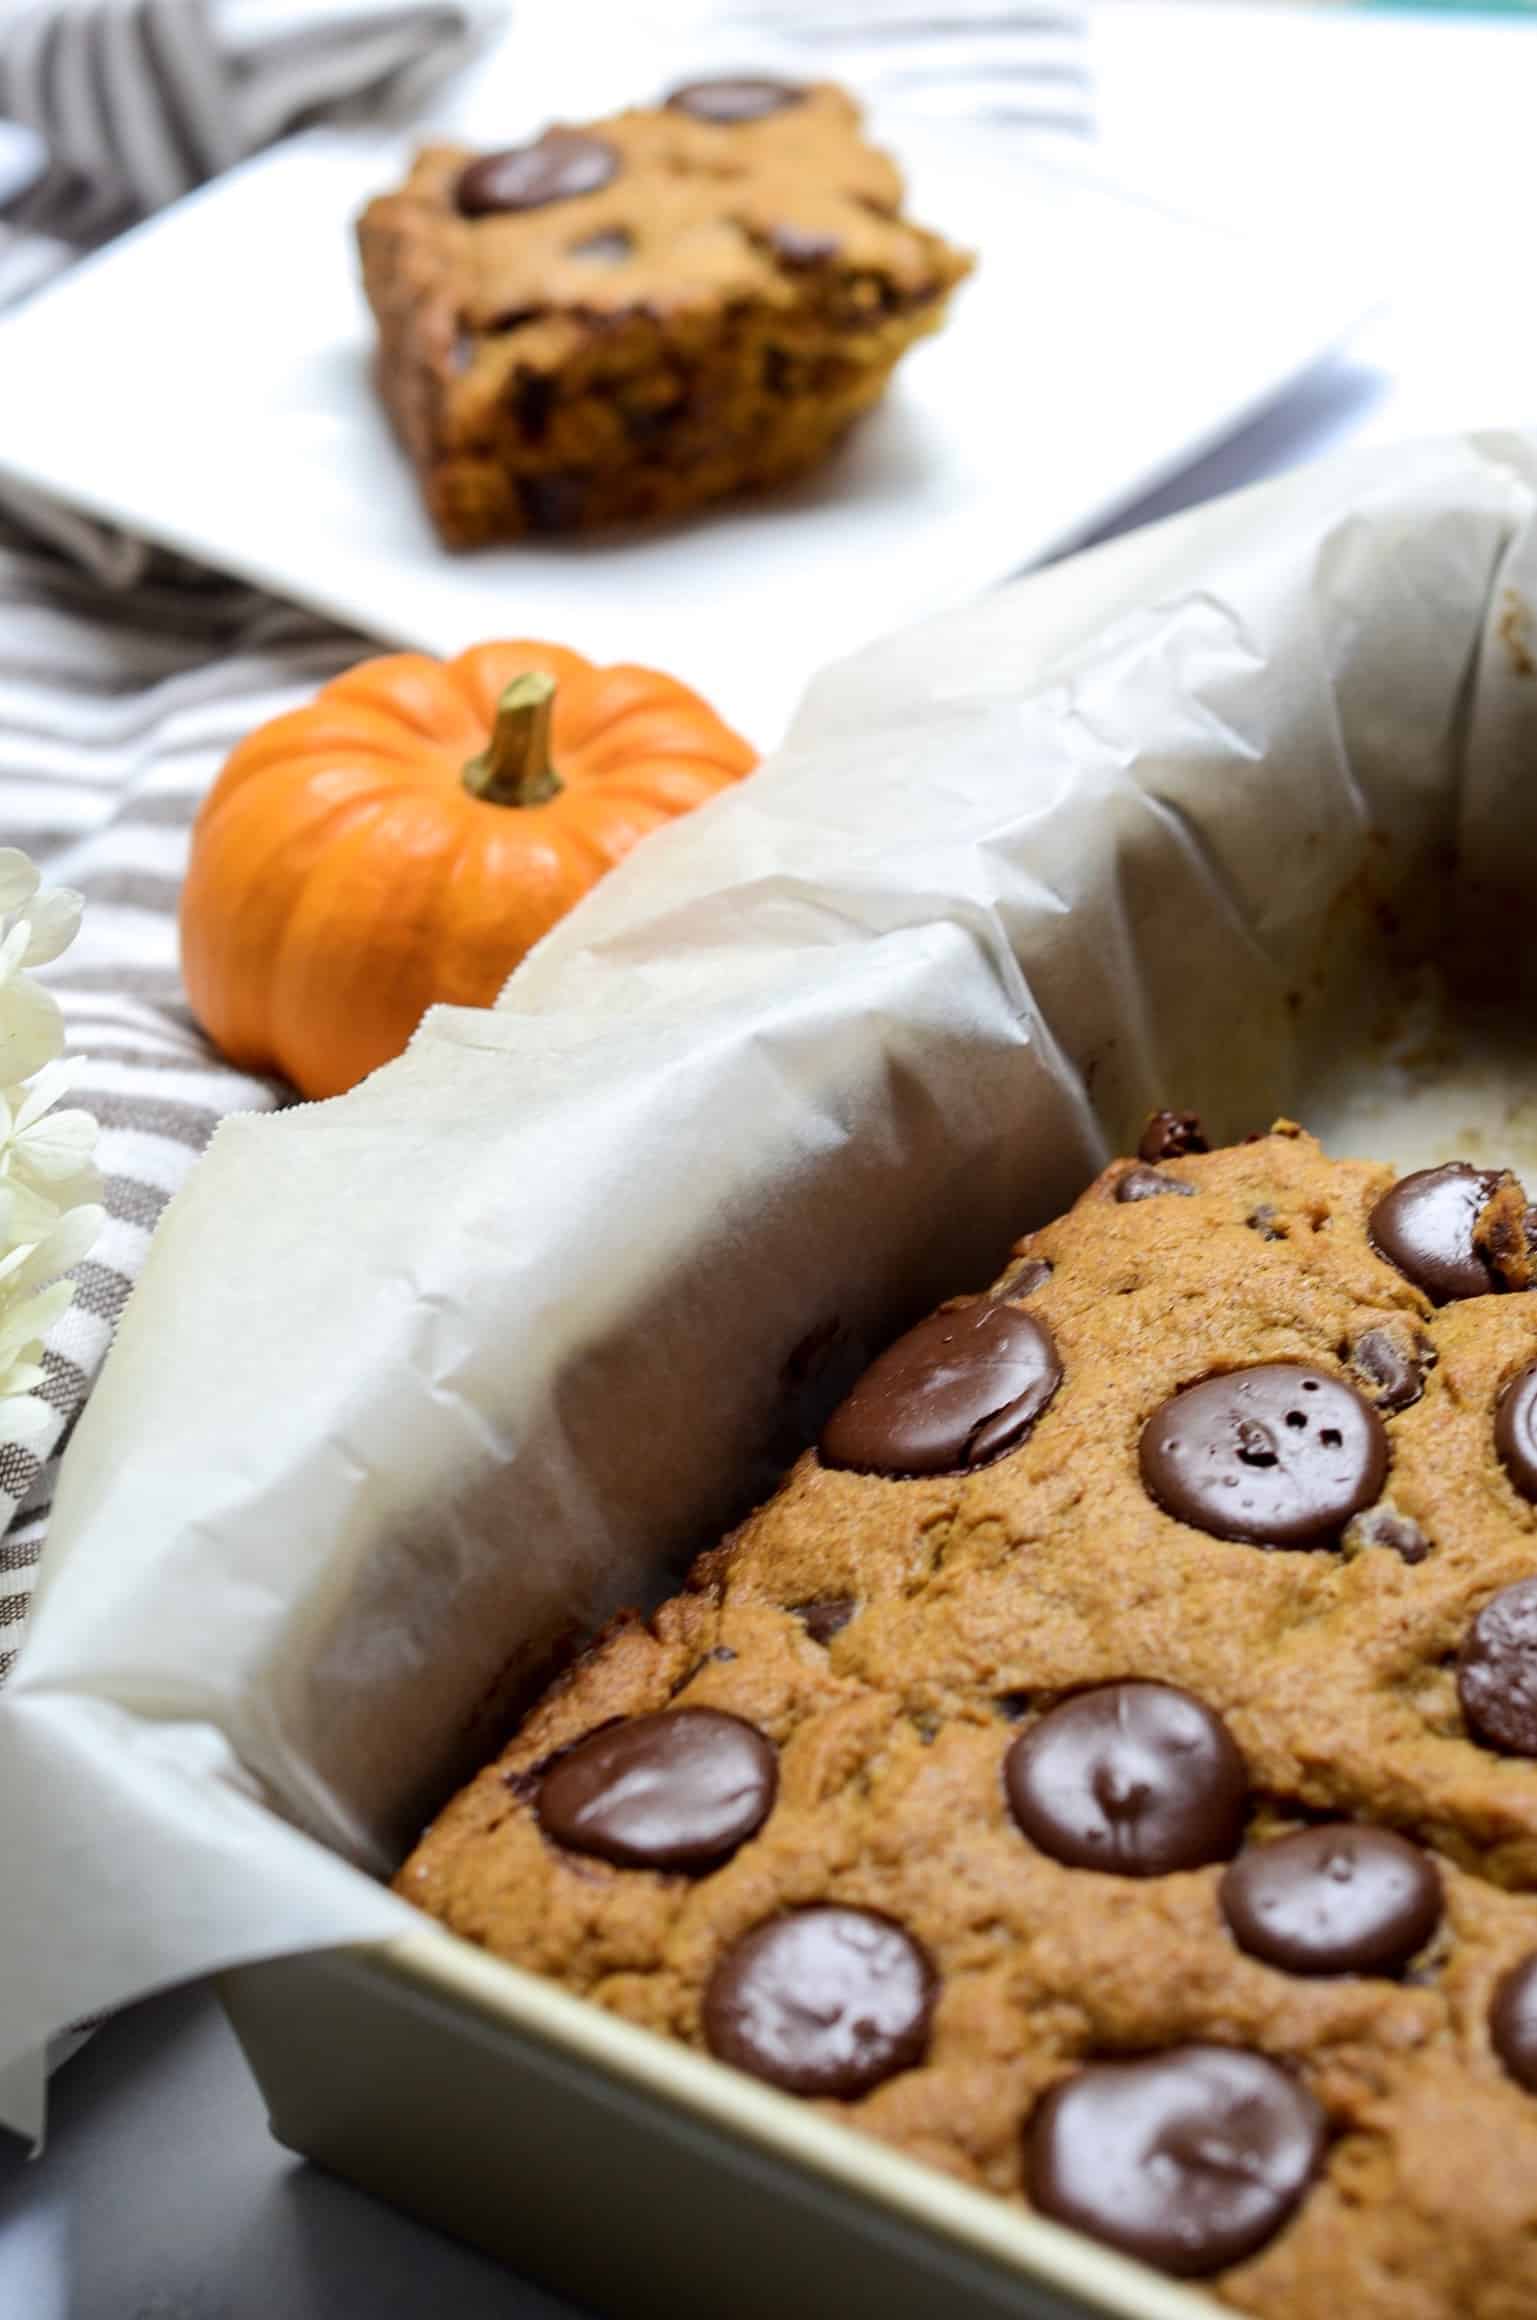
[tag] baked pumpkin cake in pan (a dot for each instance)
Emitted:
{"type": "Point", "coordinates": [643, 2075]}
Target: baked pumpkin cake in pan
{"type": "Point", "coordinates": [1107, 1768]}
{"type": "Point", "coordinates": [638, 315]}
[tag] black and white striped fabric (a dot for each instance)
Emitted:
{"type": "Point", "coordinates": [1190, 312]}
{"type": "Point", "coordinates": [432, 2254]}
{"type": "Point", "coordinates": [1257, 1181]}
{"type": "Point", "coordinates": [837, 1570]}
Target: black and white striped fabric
{"type": "Point", "coordinates": [126, 675]}
{"type": "Point", "coordinates": [114, 717]}
{"type": "Point", "coordinates": [1024, 63]}
{"type": "Point", "coordinates": [137, 101]}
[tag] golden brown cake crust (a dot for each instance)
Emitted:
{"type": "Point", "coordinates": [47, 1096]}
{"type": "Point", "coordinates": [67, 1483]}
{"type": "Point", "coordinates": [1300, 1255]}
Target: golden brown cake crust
{"type": "Point", "coordinates": [713, 318]}
{"type": "Point", "coordinates": [979, 1600]}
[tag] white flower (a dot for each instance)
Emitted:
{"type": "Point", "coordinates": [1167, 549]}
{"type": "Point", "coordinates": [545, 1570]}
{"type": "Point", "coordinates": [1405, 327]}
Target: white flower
{"type": "Point", "coordinates": [44, 1152]}
{"type": "Point", "coordinates": [36, 925]}
{"type": "Point", "coordinates": [21, 1335]}
{"type": "Point", "coordinates": [48, 1186]}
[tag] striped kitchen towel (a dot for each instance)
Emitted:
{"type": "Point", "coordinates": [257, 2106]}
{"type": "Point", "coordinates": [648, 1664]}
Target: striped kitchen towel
{"type": "Point", "coordinates": [1024, 63]}
{"type": "Point", "coordinates": [114, 717]}
{"type": "Point", "coordinates": [126, 674]}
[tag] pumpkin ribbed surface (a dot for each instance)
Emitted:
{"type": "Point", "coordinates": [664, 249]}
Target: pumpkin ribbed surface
{"type": "Point", "coordinates": [344, 877]}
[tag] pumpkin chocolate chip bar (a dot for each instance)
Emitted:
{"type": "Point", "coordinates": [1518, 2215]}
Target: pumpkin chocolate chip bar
{"type": "Point", "coordinates": [631, 318]}
{"type": "Point", "coordinates": [1107, 1767]}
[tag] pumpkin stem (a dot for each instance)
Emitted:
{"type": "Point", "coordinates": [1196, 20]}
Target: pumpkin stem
{"type": "Point", "coordinates": [515, 770]}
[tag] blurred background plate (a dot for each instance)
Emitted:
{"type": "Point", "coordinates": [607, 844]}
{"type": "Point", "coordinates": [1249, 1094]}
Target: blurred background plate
{"type": "Point", "coordinates": [1104, 341]}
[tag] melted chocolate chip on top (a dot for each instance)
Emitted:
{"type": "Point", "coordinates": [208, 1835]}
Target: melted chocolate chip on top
{"type": "Point", "coordinates": [962, 1388]}
{"type": "Point", "coordinates": [1497, 1671]}
{"type": "Point", "coordinates": [1280, 1455]}
{"type": "Point", "coordinates": [821, 2001]}
{"type": "Point", "coordinates": [1425, 1226]}
{"type": "Point", "coordinates": [1172, 1136]}
{"type": "Point", "coordinates": [1338, 1899]}
{"type": "Point", "coordinates": [559, 166]}
{"type": "Point", "coordinates": [1513, 2022]}
{"type": "Point", "coordinates": [1515, 1430]}
{"type": "Point", "coordinates": [678, 1789]}
{"type": "Point", "coordinates": [727, 102]}
{"type": "Point", "coordinates": [1190, 2160]}
{"type": "Point", "coordinates": [1141, 1183]}
{"type": "Point", "coordinates": [1139, 1779]}
{"type": "Point", "coordinates": [1396, 1373]}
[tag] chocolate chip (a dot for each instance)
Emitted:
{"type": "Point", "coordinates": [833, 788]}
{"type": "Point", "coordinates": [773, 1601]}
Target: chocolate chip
{"type": "Point", "coordinates": [1497, 1671]}
{"type": "Point", "coordinates": [823, 2001]}
{"type": "Point", "coordinates": [783, 373]}
{"type": "Point", "coordinates": [647, 422]}
{"type": "Point", "coordinates": [1280, 1455]}
{"type": "Point", "coordinates": [558, 166]}
{"type": "Point", "coordinates": [728, 101]}
{"type": "Point", "coordinates": [1190, 2160]}
{"type": "Point", "coordinates": [680, 1789]}
{"type": "Point", "coordinates": [1031, 1275]}
{"type": "Point", "coordinates": [1262, 1221]}
{"type": "Point", "coordinates": [605, 248]}
{"type": "Point", "coordinates": [1513, 2022]}
{"type": "Point", "coordinates": [798, 246]}
{"type": "Point", "coordinates": [1138, 1779]}
{"type": "Point", "coordinates": [533, 399]}
{"type": "Point", "coordinates": [827, 1618]}
{"type": "Point", "coordinates": [1515, 1430]}
{"type": "Point", "coordinates": [962, 1388]}
{"type": "Point", "coordinates": [1425, 1226]}
{"type": "Point", "coordinates": [1384, 1526]}
{"type": "Point", "coordinates": [553, 503]}
{"type": "Point", "coordinates": [1148, 1184]}
{"type": "Point", "coordinates": [1171, 1135]}
{"type": "Point", "coordinates": [1397, 1372]}
{"type": "Point", "coordinates": [1333, 1900]}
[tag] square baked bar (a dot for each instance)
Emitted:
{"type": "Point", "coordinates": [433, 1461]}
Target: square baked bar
{"type": "Point", "coordinates": [636, 316]}
{"type": "Point", "coordinates": [1107, 1767]}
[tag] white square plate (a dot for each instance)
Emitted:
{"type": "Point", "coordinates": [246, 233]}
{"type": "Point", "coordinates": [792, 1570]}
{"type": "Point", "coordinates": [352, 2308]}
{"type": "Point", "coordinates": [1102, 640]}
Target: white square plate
{"type": "Point", "coordinates": [205, 382]}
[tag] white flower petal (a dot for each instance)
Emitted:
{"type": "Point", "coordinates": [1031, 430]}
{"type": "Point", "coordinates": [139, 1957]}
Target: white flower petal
{"type": "Point", "coordinates": [31, 1028]}
{"type": "Point", "coordinates": [28, 1103]}
{"type": "Point", "coordinates": [54, 1147]}
{"type": "Point", "coordinates": [18, 880]}
{"type": "Point", "coordinates": [53, 919]}
{"type": "Point", "coordinates": [27, 1215]}
{"type": "Point", "coordinates": [63, 1193]}
{"type": "Point", "coordinates": [30, 1321]}
{"type": "Point", "coordinates": [13, 949]}
{"type": "Point", "coordinates": [71, 1239]}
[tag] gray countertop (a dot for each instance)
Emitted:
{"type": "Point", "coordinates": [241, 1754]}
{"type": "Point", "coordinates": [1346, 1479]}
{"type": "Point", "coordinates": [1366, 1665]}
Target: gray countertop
{"type": "Point", "coordinates": [162, 2196]}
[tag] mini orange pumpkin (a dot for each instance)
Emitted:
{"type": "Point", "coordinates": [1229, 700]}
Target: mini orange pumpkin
{"type": "Point", "coordinates": [412, 833]}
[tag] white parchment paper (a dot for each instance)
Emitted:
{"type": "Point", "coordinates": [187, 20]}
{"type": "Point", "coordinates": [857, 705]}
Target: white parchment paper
{"type": "Point", "coordinates": [419, 1380]}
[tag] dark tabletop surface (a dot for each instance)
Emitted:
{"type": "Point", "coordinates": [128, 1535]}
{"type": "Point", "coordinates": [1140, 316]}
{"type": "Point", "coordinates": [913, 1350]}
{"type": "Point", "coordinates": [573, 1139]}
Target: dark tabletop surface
{"type": "Point", "coordinates": [162, 2196]}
